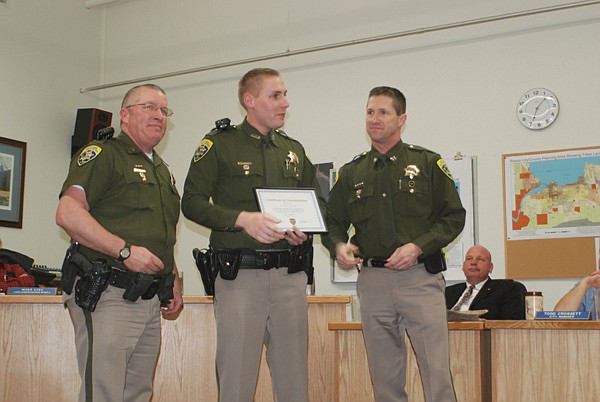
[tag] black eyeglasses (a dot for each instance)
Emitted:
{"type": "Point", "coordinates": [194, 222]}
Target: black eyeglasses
{"type": "Point", "coordinates": [151, 107]}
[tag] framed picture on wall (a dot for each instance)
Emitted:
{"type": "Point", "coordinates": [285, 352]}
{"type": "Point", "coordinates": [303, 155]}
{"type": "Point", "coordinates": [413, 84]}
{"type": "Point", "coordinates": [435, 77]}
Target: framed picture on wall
{"type": "Point", "coordinates": [12, 182]}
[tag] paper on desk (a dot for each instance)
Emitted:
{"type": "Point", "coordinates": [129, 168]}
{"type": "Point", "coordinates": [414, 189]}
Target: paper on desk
{"type": "Point", "coordinates": [468, 315]}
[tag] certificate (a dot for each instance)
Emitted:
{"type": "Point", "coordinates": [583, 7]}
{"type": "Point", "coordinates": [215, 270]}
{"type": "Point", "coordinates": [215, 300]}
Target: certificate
{"type": "Point", "coordinates": [293, 207]}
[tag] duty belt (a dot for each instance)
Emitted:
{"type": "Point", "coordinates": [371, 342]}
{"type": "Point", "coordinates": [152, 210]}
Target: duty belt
{"type": "Point", "coordinates": [379, 262]}
{"type": "Point", "coordinates": [265, 259]}
{"type": "Point", "coordinates": [121, 279]}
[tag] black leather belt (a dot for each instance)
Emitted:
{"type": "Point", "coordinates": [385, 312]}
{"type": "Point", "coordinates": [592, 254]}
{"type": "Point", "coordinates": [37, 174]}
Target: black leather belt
{"type": "Point", "coordinates": [122, 279]}
{"type": "Point", "coordinates": [265, 259]}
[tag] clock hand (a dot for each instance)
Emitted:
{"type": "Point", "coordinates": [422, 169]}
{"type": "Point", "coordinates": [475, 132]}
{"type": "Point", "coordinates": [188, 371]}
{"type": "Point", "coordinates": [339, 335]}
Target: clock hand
{"type": "Point", "coordinates": [537, 107]}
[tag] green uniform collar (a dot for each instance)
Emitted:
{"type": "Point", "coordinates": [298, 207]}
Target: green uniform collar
{"type": "Point", "coordinates": [393, 153]}
{"type": "Point", "coordinates": [124, 138]}
{"type": "Point", "coordinates": [256, 137]}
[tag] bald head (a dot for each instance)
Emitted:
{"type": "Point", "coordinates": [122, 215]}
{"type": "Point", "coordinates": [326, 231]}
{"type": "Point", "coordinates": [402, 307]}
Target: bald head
{"type": "Point", "coordinates": [477, 265]}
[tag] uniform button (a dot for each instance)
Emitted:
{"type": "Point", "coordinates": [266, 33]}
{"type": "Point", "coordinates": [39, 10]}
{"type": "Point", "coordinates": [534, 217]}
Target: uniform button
{"type": "Point", "coordinates": [384, 194]}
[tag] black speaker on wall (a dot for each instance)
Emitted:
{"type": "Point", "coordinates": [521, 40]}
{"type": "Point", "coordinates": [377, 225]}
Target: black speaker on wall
{"type": "Point", "coordinates": [87, 124]}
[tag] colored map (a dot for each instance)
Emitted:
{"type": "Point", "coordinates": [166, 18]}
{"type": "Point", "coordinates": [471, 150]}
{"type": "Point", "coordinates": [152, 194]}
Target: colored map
{"type": "Point", "coordinates": [553, 195]}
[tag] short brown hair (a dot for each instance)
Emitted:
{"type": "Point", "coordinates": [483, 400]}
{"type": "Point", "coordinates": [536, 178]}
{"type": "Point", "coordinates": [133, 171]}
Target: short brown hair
{"type": "Point", "coordinates": [252, 81]}
{"type": "Point", "coordinates": [397, 97]}
{"type": "Point", "coordinates": [133, 91]}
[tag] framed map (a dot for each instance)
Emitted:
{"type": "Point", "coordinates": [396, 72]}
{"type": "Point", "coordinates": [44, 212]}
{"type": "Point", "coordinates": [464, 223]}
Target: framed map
{"type": "Point", "coordinates": [552, 194]}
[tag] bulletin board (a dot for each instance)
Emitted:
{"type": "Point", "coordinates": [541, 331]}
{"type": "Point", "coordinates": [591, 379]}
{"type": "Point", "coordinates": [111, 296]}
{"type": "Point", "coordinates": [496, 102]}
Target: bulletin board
{"type": "Point", "coordinates": [551, 213]}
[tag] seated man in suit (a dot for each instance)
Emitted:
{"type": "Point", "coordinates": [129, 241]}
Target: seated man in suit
{"type": "Point", "coordinates": [581, 297]}
{"type": "Point", "coordinates": [504, 299]}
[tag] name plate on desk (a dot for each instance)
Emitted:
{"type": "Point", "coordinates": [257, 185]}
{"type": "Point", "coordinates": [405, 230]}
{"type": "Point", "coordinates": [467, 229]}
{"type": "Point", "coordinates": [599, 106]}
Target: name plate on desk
{"type": "Point", "coordinates": [32, 291]}
{"type": "Point", "coordinates": [562, 315]}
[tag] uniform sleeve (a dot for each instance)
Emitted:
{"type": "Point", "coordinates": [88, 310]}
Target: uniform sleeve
{"type": "Point", "coordinates": [199, 186]}
{"type": "Point", "coordinates": [338, 220]}
{"type": "Point", "coordinates": [95, 175]}
{"type": "Point", "coordinates": [448, 218]}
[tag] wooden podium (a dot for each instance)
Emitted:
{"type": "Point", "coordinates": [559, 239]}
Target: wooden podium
{"type": "Point", "coordinates": [469, 363]}
{"type": "Point", "coordinates": [38, 363]}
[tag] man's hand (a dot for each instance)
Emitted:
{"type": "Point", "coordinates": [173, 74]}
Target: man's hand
{"type": "Point", "coordinates": [592, 280]}
{"type": "Point", "coordinates": [404, 257]}
{"type": "Point", "coordinates": [260, 226]}
{"type": "Point", "coordinates": [142, 260]}
{"type": "Point", "coordinates": [345, 255]}
{"type": "Point", "coordinates": [295, 237]}
{"type": "Point", "coordinates": [176, 303]}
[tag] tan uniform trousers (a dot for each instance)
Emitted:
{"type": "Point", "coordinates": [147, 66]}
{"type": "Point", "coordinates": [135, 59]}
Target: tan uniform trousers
{"type": "Point", "coordinates": [411, 301]}
{"type": "Point", "coordinates": [117, 347]}
{"type": "Point", "coordinates": [262, 306]}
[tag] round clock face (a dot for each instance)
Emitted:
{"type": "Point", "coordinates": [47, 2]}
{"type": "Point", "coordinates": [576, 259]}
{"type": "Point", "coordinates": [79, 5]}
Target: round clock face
{"type": "Point", "coordinates": [537, 108]}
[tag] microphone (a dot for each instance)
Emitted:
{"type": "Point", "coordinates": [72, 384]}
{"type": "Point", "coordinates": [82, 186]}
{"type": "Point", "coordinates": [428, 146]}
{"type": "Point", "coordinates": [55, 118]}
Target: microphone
{"type": "Point", "coordinates": [105, 133]}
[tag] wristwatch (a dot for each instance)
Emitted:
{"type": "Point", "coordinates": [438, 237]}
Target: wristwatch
{"type": "Point", "coordinates": [125, 252]}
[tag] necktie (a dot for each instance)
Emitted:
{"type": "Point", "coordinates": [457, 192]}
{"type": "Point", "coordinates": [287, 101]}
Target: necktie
{"type": "Point", "coordinates": [271, 173]}
{"type": "Point", "coordinates": [385, 210]}
{"type": "Point", "coordinates": [464, 299]}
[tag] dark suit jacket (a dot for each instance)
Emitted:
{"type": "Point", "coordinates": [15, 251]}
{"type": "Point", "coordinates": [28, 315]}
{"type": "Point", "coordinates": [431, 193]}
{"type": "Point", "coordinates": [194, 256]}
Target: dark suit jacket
{"type": "Point", "coordinates": [503, 298]}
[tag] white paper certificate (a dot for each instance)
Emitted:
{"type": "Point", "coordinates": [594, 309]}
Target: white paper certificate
{"type": "Point", "coordinates": [293, 207]}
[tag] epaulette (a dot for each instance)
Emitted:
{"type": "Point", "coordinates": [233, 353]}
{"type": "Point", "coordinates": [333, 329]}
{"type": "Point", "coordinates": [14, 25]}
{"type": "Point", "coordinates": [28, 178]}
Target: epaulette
{"type": "Point", "coordinates": [356, 158]}
{"type": "Point", "coordinates": [220, 126]}
{"type": "Point", "coordinates": [359, 156]}
{"type": "Point", "coordinates": [419, 148]}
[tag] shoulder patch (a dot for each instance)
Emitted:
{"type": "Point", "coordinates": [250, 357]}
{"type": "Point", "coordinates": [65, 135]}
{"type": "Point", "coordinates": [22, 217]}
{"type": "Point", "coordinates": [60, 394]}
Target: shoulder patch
{"type": "Point", "coordinates": [202, 149]}
{"type": "Point", "coordinates": [89, 153]}
{"type": "Point", "coordinates": [444, 168]}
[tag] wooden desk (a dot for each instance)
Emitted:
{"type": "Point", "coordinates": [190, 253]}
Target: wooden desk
{"type": "Point", "coordinates": [550, 361]}
{"type": "Point", "coordinates": [469, 363]}
{"type": "Point", "coordinates": [38, 363]}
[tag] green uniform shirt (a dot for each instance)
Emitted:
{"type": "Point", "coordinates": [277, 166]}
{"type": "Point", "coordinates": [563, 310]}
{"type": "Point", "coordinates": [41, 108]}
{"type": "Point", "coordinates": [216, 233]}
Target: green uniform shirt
{"type": "Point", "coordinates": [130, 195]}
{"type": "Point", "coordinates": [426, 209]}
{"type": "Point", "coordinates": [226, 168]}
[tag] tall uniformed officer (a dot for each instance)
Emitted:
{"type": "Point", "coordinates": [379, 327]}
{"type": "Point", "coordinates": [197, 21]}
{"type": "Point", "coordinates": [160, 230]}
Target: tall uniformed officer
{"type": "Point", "coordinates": [403, 204]}
{"type": "Point", "coordinates": [264, 302]}
{"type": "Point", "coordinates": [120, 203]}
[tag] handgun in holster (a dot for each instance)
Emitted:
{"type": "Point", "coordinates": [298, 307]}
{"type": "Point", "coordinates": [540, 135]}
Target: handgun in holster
{"type": "Point", "coordinates": [207, 268]}
{"type": "Point", "coordinates": [94, 278]}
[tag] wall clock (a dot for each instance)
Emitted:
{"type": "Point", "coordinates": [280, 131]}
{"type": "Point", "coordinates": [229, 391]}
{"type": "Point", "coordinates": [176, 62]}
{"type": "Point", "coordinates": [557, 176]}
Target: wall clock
{"type": "Point", "coordinates": [537, 108]}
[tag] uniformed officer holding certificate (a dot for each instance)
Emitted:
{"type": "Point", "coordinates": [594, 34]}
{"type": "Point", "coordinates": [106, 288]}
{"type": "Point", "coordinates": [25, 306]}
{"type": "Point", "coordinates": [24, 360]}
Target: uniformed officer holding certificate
{"type": "Point", "coordinates": [260, 293]}
{"type": "Point", "coordinates": [403, 204]}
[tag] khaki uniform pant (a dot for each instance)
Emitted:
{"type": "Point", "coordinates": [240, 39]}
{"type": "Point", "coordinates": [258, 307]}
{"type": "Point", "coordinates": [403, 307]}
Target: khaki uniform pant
{"type": "Point", "coordinates": [262, 306]}
{"type": "Point", "coordinates": [411, 301]}
{"type": "Point", "coordinates": [117, 347]}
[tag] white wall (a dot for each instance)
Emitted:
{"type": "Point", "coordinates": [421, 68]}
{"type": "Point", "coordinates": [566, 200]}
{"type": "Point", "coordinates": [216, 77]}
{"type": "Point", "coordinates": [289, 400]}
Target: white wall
{"type": "Point", "coordinates": [462, 87]}
{"type": "Point", "coordinates": [48, 49]}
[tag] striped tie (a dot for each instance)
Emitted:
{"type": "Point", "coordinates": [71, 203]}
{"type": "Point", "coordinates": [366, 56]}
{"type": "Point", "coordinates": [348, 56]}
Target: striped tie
{"type": "Point", "coordinates": [464, 299]}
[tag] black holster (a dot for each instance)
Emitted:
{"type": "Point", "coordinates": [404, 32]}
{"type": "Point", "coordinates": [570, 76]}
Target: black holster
{"type": "Point", "coordinates": [435, 263]}
{"type": "Point", "coordinates": [94, 278]}
{"type": "Point", "coordinates": [301, 259]}
{"type": "Point", "coordinates": [204, 259]}
{"type": "Point", "coordinates": [162, 287]}
{"type": "Point", "coordinates": [139, 286]}
{"type": "Point", "coordinates": [69, 270]}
